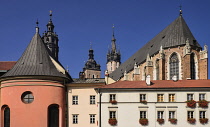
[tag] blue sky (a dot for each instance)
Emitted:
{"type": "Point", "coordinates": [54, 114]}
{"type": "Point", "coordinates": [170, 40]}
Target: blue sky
{"type": "Point", "coordinates": [79, 22]}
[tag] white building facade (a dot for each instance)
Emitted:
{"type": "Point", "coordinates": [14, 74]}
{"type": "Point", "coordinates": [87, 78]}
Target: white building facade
{"type": "Point", "coordinates": [134, 100]}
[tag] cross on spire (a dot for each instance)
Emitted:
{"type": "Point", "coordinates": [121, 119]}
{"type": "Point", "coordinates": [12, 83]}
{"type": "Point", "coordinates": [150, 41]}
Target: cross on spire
{"type": "Point", "coordinates": [50, 15]}
{"type": "Point", "coordinates": [180, 10]}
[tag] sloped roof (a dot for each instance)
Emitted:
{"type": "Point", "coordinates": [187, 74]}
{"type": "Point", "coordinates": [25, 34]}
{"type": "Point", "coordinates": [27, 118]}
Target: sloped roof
{"type": "Point", "coordinates": [173, 35]}
{"type": "Point", "coordinates": [89, 80]}
{"type": "Point", "coordinates": [35, 61]}
{"type": "Point", "coordinates": [155, 84]}
{"type": "Point", "coordinates": [6, 65]}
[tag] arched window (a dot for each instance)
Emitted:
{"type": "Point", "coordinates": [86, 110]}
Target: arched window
{"type": "Point", "coordinates": [53, 116]}
{"type": "Point", "coordinates": [174, 66]}
{"type": "Point", "coordinates": [6, 116]}
{"type": "Point", "coordinates": [157, 69]}
{"type": "Point", "coordinates": [192, 66]}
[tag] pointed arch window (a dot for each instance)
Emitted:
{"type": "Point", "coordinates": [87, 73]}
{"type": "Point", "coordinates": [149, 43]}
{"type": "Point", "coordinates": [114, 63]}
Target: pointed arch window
{"type": "Point", "coordinates": [53, 116]}
{"type": "Point", "coordinates": [192, 66]}
{"type": "Point", "coordinates": [157, 69]}
{"type": "Point", "coordinates": [174, 66]}
{"type": "Point", "coordinates": [6, 116]}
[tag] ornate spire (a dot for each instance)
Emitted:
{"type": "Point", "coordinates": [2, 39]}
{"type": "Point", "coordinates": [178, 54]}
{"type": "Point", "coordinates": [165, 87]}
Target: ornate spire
{"type": "Point", "coordinates": [180, 10]}
{"type": "Point", "coordinates": [113, 41]}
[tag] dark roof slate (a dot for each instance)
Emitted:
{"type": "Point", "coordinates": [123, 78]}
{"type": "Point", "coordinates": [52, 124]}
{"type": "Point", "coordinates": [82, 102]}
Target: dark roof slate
{"type": "Point", "coordinates": [35, 61]}
{"type": "Point", "coordinates": [173, 35]}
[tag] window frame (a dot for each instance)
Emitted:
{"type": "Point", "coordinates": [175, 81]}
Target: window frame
{"type": "Point", "coordinates": [92, 99]}
{"type": "Point", "coordinates": [92, 118]}
{"type": "Point", "coordinates": [189, 97]}
{"type": "Point", "coordinates": [142, 97]}
{"type": "Point", "coordinates": [75, 119]}
{"type": "Point", "coordinates": [190, 114]}
{"type": "Point", "coordinates": [143, 114]}
{"type": "Point", "coordinates": [112, 114]}
{"type": "Point", "coordinates": [160, 97]}
{"type": "Point", "coordinates": [160, 114]}
{"type": "Point", "coordinates": [112, 97]}
{"type": "Point", "coordinates": [202, 114]}
{"type": "Point", "coordinates": [172, 114]}
{"type": "Point", "coordinates": [202, 98]}
{"type": "Point", "coordinates": [75, 99]}
{"type": "Point", "coordinates": [171, 97]}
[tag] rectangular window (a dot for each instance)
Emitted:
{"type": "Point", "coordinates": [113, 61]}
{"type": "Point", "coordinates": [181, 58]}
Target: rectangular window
{"type": "Point", "coordinates": [171, 114]}
{"type": "Point", "coordinates": [160, 98]}
{"type": "Point", "coordinates": [112, 97]}
{"type": "Point", "coordinates": [75, 119]}
{"type": "Point", "coordinates": [189, 97]}
{"type": "Point", "coordinates": [92, 99]}
{"type": "Point", "coordinates": [160, 114]}
{"type": "Point", "coordinates": [201, 97]}
{"type": "Point", "coordinates": [112, 114]}
{"type": "Point", "coordinates": [92, 118]}
{"type": "Point", "coordinates": [171, 98]}
{"type": "Point", "coordinates": [143, 114]}
{"type": "Point", "coordinates": [202, 114]}
{"type": "Point", "coordinates": [142, 97]}
{"type": "Point", "coordinates": [190, 114]}
{"type": "Point", "coordinates": [75, 100]}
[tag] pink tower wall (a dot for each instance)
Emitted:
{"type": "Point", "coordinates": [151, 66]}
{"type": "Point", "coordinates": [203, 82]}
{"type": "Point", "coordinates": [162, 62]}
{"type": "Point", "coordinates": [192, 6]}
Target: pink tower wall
{"type": "Point", "coordinates": [34, 114]}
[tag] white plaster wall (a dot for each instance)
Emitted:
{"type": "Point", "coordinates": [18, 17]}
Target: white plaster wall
{"type": "Point", "coordinates": [128, 109]}
{"type": "Point", "coordinates": [84, 108]}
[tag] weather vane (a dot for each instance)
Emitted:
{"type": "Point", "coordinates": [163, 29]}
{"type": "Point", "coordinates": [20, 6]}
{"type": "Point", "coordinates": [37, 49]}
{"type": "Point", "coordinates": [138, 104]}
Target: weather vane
{"type": "Point", "coordinates": [37, 22]}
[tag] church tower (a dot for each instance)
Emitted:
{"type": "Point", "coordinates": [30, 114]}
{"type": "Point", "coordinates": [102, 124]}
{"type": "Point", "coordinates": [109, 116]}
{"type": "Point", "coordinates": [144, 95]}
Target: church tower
{"type": "Point", "coordinates": [113, 56]}
{"type": "Point", "coordinates": [91, 68]}
{"type": "Point", "coordinates": [50, 39]}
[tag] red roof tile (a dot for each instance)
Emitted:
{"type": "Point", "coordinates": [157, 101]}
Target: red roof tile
{"type": "Point", "coordinates": [160, 84]}
{"type": "Point", "coordinates": [7, 65]}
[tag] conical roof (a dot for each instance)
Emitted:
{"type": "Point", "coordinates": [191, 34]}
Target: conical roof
{"type": "Point", "coordinates": [173, 35]}
{"type": "Point", "coordinates": [35, 61]}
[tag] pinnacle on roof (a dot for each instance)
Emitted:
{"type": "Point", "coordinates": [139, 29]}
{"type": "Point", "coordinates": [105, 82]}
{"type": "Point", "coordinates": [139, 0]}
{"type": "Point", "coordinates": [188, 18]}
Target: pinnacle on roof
{"type": "Point", "coordinates": [173, 35]}
{"type": "Point", "coordinates": [35, 61]}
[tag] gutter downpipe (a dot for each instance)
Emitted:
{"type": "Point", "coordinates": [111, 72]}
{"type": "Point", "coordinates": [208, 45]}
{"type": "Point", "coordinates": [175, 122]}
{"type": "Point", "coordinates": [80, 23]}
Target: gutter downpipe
{"type": "Point", "coordinates": [99, 107]}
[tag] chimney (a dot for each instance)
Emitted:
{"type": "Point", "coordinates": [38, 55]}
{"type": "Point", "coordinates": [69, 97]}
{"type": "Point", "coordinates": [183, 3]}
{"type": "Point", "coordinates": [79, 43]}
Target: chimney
{"type": "Point", "coordinates": [174, 78]}
{"type": "Point", "coordinates": [148, 80]}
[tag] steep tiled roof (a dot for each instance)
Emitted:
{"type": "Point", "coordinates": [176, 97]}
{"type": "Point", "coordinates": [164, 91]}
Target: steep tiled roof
{"type": "Point", "coordinates": [35, 61]}
{"type": "Point", "coordinates": [89, 80]}
{"type": "Point", "coordinates": [159, 84]}
{"type": "Point", "coordinates": [6, 65]}
{"type": "Point", "coordinates": [173, 35]}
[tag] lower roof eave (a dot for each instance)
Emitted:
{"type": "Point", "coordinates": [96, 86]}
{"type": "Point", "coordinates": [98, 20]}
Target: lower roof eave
{"type": "Point", "coordinates": [156, 89]}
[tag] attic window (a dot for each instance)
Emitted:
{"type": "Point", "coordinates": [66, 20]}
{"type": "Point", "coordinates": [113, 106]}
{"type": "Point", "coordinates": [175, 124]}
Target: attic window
{"type": "Point", "coordinates": [163, 37]}
{"type": "Point", "coordinates": [151, 46]}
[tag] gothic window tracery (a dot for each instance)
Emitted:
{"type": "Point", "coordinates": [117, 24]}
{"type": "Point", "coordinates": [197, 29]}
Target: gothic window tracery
{"type": "Point", "coordinates": [192, 66]}
{"type": "Point", "coordinates": [174, 66]}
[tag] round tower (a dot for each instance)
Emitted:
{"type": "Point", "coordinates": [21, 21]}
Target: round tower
{"type": "Point", "coordinates": [33, 91]}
